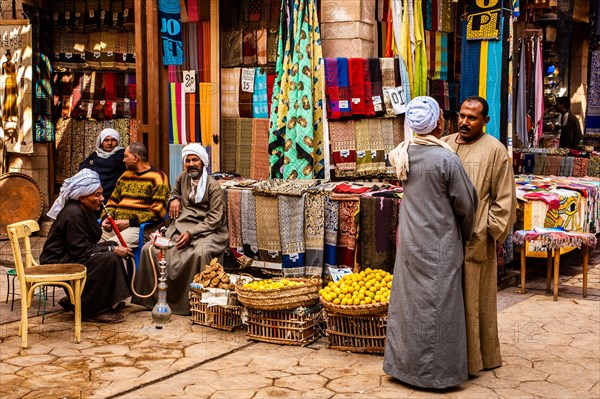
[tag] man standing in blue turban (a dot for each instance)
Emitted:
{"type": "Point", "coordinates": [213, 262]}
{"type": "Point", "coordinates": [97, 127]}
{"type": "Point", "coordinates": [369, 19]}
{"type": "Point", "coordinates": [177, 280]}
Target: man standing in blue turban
{"type": "Point", "coordinates": [426, 342]}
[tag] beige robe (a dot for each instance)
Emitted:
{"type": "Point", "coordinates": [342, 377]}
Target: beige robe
{"type": "Point", "coordinates": [487, 164]}
{"type": "Point", "coordinates": [207, 224]}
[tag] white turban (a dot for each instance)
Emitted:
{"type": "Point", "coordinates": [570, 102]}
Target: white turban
{"type": "Point", "coordinates": [108, 132]}
{"type": "Point", "coordinates": [198, 150]}
{"type": "Point", "coordinates": [85, 182]}
{"type": "Point", "coordinates": [422, 114]}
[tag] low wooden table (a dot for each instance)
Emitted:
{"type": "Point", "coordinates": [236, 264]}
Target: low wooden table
{"type": "Point", "coordinates": [554, 241]}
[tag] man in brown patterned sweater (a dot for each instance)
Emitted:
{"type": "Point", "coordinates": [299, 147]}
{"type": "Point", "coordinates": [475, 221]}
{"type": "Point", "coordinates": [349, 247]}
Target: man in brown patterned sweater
{"type": "Point", "coordinates": [140, 196]}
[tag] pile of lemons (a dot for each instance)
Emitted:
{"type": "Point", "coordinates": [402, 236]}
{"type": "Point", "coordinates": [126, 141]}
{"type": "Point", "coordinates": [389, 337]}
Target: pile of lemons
{"type": "Point", "coordinates": [261, 285]}
{"type": "Point", "coordinates": [368, 286]}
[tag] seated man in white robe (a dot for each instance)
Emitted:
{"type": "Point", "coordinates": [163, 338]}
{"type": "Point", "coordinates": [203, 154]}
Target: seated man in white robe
{"type": "Point", "coordinates": [198, 228]}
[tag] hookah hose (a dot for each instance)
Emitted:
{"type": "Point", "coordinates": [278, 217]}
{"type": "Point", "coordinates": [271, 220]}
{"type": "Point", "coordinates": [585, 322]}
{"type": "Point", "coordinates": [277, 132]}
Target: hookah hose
{"type": "Point", "coordinates": [111, 220]}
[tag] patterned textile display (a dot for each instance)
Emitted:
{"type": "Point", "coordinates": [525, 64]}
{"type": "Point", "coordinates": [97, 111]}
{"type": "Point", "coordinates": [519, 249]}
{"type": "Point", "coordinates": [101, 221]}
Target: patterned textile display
{"type": "Point", "coordinates": [76, 139]}
{"type": "Point", "coordinates": [248, 210]}
{"type": "Point", "coordinates": [349, 207]}
{"type": "Point", "coordinates": [343, 147]}
{"type": "Point", "coordinates": [364, 161]}
{"type": "Point", "coordinates": [377, 147]}
{"type": "Point", "coordinates": [553, 165]}
{"type": "Point", "coordinates": [243, 146]}
{"type": "Point", "coordinates": [387, 133]}
{"type": "Point", "coordinates": [245, 97]}
{"type": "Point", "coordinates": [540, 165]}
{"type": "Point", "coordinates": [291, 216]}
{"type": "Point", "coordinates": [528, 163]}
{"type": "Point", "coordinates": [259, 162]}
{"type": "Point", "coordinates": [234, 219]}
{"type": "Point", "coordinates": [566, 166]}
{"type": "Point", "coordinates": [592, 120]}
{"type": "Point", "coordinates": [580, 167]}
{"type": "Point", "coordinates": [267, 230]}
{"type": "Point", "coordinates": [378, 223]}
{"type": "Point", "coordinates": [296, 130]}
{"type": "Point", "coordinates": [314, 231]}
{"type": "Point", "coordinates": [229, 132]}
{"type": "Point", "coordinates": [331, 226]}
{"type": "Point", "coordinates": [483, 22]}
{"type": "Point", "coordinates": [261, 46]}
{"type": "Point", "coordinates": [555, 238]}
{"type": "Point", "coordinates": [172, 39]}
{"type": "Point", "coordinates": [231, 48]}
{"type": "Point", "coordinates": [16, 84]}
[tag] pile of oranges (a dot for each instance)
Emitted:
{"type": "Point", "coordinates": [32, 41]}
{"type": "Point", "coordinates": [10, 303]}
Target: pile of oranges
{"type": "Point", "coordinates": [364, 288]}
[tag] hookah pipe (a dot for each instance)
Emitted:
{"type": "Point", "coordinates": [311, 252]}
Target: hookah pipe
{"type": "Point", "coordinates": [111, 220]}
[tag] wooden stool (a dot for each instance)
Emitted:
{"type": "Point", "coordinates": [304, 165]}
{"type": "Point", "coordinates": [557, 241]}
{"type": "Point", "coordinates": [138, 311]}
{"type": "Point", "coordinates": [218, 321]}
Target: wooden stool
{"type": "Point", "coordinates": [553, 241]}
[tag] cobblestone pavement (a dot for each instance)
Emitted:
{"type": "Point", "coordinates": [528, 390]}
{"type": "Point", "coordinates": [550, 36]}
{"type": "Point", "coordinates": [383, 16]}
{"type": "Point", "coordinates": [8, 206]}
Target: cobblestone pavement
{"type": "Point", "coordinates": [550, 350]}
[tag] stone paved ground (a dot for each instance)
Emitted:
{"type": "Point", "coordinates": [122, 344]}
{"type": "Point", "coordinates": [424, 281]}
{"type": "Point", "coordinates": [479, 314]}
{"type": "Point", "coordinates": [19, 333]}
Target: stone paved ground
{"type": "Point", "coordinates": [550, 350]}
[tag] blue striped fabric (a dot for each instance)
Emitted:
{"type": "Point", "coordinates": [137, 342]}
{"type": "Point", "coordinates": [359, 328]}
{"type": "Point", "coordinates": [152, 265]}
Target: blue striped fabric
{"type": "Point", "coordinates": [469, 71]}
{"type": "Point", "coordinates": [493, 87]}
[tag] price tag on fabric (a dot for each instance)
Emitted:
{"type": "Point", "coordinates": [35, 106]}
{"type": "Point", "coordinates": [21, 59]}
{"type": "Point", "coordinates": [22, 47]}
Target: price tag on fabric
{"type": "Point", "coordinates": [248, 80]}
{"type": "Point", "coordinates": [344, 104]}
{"type": "Point", "coordinates": [377, 103]}
{"type": "Point", "coordinates": [189, 81]}
{"type": "Point", "coordinates": [398, 100]}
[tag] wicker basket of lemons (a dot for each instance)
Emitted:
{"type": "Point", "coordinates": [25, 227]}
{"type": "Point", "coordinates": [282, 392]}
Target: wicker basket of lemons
{"type": "Point", "coordinates": [279, 293]}
{"type": "Point", "coordinates": [364, 293]}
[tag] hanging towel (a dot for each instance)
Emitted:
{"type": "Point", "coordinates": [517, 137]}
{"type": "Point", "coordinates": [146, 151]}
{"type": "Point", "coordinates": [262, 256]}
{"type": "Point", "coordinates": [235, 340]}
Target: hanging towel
{"type": "Point", "coordinates": [230, 92]}
{"type": "Point", "coordinates": [369, 109]}
{"type": "Point", "coordinates": [344, 87]}
{"type": "Point", "coordinates": [357, 86]}
{"type": "Point", "coordinates": [259, 97]}
{"type": "Point", "coordinates": [332, 90]}
{"type": "Point", "coordinates": [376, 86]}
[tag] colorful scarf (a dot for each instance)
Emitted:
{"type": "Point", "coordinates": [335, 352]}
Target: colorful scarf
{"type": "Point", "coordinates": [356, 76]}
{"type": "Point", "coordinates": [376, 86]}
{"type": "Point", "coordinates": [234, 219]}
{"type": "Point", "coordinates": [592, 120]}
{"type": "Point", "coordinates": [364, 165]}
{"type": "Point", "coordinates": [267, 230]}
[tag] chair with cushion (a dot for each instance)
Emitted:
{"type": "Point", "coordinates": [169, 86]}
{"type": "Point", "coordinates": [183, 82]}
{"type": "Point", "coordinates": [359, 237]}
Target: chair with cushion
{"type": "Point", "coordinates": [31, 275]}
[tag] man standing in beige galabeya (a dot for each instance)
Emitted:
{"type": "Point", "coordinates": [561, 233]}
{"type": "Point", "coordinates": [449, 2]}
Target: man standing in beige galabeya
{"type": "Point", "coordinates": [486, 162]}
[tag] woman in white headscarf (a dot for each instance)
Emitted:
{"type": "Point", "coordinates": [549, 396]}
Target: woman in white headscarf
{"type": "Point", "coordinates": [107, 160]}
{"type": "Point", "coordinates": [426, 343]}
{"type": "Point", "coordinates": [198, 228]}
{"type": "Point", "coordinates": [74, 238]}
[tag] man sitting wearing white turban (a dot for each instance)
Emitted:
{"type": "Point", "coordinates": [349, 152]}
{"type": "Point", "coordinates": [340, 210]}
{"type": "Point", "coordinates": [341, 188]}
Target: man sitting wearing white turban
{"type": "Point", "coordinates": [198, 227]}
{"type": "Point", "coordinates": [74, 238]}
{"type": "Point", "coordinates": [426, 343]}
{"type": "Point", "coordinates": [107, 160]}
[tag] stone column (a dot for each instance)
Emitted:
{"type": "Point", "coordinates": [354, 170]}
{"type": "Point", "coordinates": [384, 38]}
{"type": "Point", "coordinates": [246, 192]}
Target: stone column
{"type": "Point", "coordinates": [348, 28]}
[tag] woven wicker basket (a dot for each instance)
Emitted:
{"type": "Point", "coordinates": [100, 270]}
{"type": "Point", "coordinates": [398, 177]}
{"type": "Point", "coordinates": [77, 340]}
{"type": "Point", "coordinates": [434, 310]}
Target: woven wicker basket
{"type": "Point", "coordinates": [371, 309]}
{"type": "Point", "coordinates": [282, 298]}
